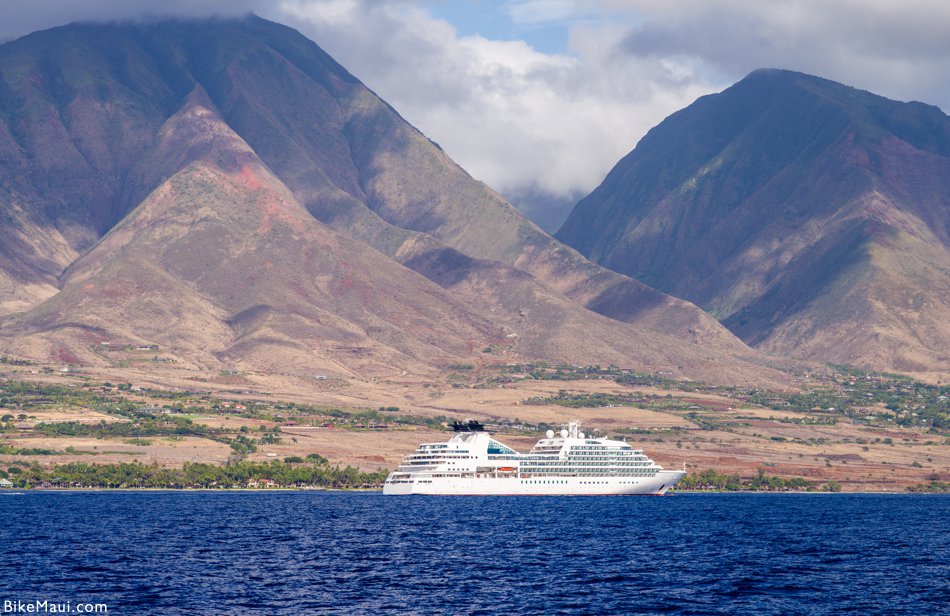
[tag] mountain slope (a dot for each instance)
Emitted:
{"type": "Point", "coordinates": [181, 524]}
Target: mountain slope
{"type": "Point", "coordinates": [358, 166]}
{"type": "Point", "coordinates": [136, 156]}
{"type": "Point", "coordinates": [810, 217]}
{"type": "Point", "coordinates": [221, 264]}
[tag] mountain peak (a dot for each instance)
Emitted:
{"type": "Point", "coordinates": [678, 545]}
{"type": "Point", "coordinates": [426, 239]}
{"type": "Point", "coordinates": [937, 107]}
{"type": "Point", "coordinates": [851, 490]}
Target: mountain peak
{"type": "Point", "coordinates": [786, 205]}
{"type": "Point", "coordinates": [227, 190]}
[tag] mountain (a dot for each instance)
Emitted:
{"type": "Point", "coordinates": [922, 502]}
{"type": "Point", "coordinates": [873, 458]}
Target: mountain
{"type": "Point", "coordinates": [810, 217]}
{"type": "Point", "coordinates": [227, 191]}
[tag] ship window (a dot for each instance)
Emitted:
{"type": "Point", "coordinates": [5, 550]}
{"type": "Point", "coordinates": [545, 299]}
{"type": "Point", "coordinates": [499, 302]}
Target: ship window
{"type": "Point", "coordinates": [494, 447]}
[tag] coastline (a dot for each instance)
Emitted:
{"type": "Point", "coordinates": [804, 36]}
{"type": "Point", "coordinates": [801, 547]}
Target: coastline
{"type": "Point", "coordinates": [12, 491]}
{"type": "Point", "coordinates": [248, 490]}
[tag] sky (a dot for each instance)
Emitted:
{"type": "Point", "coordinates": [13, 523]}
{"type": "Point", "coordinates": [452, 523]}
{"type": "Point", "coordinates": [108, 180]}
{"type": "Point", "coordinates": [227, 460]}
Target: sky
{"type": "Point", "coordinates": [540, 98]}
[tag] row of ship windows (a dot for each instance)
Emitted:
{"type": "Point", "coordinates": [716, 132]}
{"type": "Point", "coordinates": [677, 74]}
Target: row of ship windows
{"type": "Point", "coordinates": [576, 462]}
{"type": "Point", "coordinates": [508, 455]}
{"type": "Point", "coordinates": [624, 451]}
{"type": "Point", "coordinates": [551, 474]}
{"type": "Point", "coordinates": [429, 456]}
{"type": "Point", "coordinates": [569, 464]}
{"type": "Point", "coordinates": [439, 456]}
{"type": "Point", "coordinates": [575, 450]}
{"type": "Point", "coordinates": [523, 481]}
{"type": "Point", "coordinates": [572, 464]}
{"type": "Point", "coordinates": [601, 452]}
{"type": "Point", "coordinates": [442, 452]}
{"type": "Point", "coordinates": [552, 462]}
{"type": "Point", "coordinates": [590, 455]}
{"type": "Point", "coordinates": [624, 460]}
{"type": "Point", "coordinates": [411, 480]}
{"type": "Point", "coordinates": [644, 472]}
{"type": "Point", "coordinates": [564, 482]}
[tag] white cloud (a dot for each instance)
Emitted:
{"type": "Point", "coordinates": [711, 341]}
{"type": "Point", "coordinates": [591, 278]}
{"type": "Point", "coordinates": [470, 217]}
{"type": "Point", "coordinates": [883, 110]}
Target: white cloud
{"type": "Point", "coordinates": [511, 115]}
{"type": "Point", "coordinates": [898, 49]}
{"type": "Point", "coordinates": [31, 15]}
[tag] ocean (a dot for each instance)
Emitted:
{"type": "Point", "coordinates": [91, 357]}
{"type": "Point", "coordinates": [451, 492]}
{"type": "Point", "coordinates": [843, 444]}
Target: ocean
{"type": "Point", "coordinates": [362, 553]}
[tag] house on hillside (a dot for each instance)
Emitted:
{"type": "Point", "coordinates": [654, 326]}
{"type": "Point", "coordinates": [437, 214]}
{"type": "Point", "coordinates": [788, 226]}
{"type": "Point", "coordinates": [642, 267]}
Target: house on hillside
{"type": "Point", "coordinates": [5, 483]}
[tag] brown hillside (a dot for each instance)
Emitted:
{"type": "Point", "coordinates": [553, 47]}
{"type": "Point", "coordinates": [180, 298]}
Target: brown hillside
{"type": "Point", "coordinates": [810, 217]}
{"type": "Point", "coordinates": [176, 183]}
{"type": "Point", "coordinates": [220, 265]}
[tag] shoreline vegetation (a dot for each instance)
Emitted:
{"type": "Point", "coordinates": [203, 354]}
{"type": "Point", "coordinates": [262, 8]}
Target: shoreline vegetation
{"type": "Point", "coordinates": [710, 480]}
{"type": "Point", "coordinates": [715, 481]}
{"type": "Point", "coordinates": [194, 475]}
{"type": "Point", "coordinates": [319, 474]}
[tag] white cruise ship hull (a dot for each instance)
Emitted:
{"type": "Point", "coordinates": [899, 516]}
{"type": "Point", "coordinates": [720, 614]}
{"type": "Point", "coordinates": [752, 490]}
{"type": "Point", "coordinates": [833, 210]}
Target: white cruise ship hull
{"type": "Point", "coordinates": [472, 463]}
{"type": "Point", "coordinates": [419, 483]}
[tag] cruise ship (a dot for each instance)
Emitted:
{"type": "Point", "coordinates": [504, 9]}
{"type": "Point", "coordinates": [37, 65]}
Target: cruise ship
{"type": "Point", "coordinates": [566, 463]}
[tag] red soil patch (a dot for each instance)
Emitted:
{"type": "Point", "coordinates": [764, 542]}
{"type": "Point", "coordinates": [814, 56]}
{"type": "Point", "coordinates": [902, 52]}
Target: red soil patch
{"type": "Point", "coordinates": [249, 179]}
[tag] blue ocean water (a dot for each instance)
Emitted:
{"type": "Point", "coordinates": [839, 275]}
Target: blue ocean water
{"type": "Point", "coordinates": [362, 553]}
